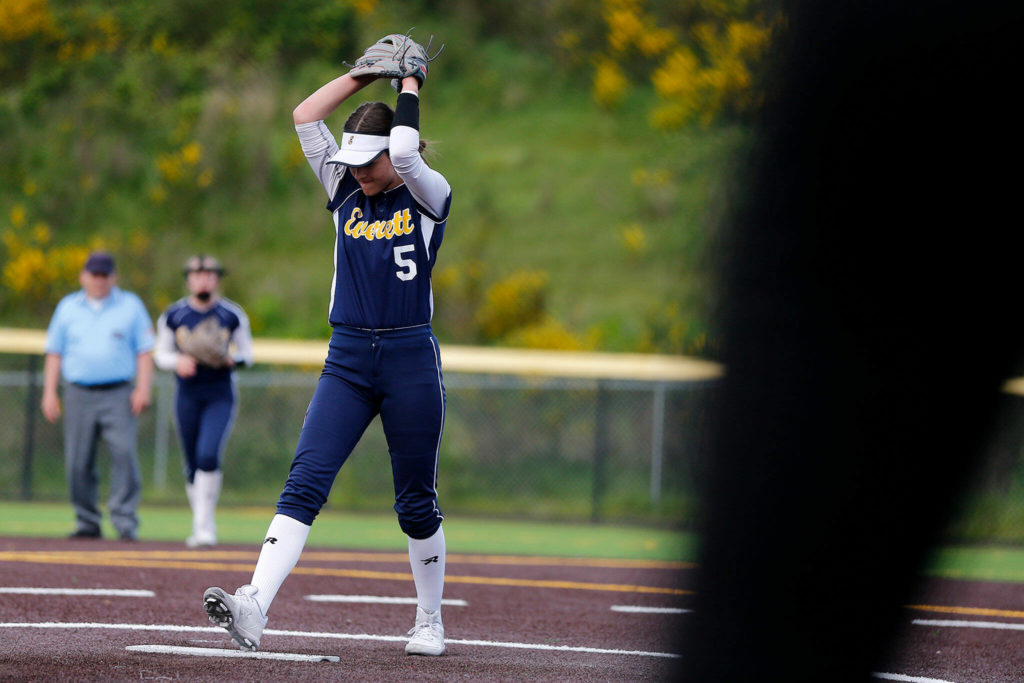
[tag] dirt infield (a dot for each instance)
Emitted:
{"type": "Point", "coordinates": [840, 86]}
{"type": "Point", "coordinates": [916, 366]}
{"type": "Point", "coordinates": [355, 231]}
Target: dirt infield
{"type": "Point", "coordinates": [964, 631]}
{"type": "Point", "coordinates": [513, 618]}
{"type": "Point", "coordinates": [105, 610]}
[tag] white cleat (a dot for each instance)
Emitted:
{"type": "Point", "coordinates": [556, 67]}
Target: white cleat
{"type": "Point", "coordinates": [195, 541]}
{"type": "Point", "coordinates": [239, 614]}
{"type": "Point", "coordinates": [427, 634]}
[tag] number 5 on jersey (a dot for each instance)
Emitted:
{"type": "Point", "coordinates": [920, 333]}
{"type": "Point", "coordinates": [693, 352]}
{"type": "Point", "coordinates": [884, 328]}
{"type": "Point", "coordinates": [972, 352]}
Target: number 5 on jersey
{"type": "Point", "coordinates": [407, 267]}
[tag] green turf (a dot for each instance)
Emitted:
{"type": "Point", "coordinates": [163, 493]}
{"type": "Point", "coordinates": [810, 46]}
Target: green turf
{"type": "Point", "coordinates": [980, 563]}
{"type": "Point", "coordinates": [378, 532]}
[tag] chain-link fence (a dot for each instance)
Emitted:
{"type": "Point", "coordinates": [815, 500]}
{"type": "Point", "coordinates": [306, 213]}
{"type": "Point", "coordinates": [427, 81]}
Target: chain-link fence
{"type": "Point", "coordinates": [546, 448]}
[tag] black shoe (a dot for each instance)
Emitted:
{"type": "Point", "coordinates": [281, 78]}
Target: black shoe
{"type": "Point", "coordinates": [86, 533]}
{"type": "Point", "coordinates": [128, 536]}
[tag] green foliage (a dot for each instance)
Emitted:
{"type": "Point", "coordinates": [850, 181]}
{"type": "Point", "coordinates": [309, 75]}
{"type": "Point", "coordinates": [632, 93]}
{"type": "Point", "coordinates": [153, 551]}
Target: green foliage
{"type": "Point", "coordinates": [158, 129]}
{"type": "Point", "coordinates": [360, 531]}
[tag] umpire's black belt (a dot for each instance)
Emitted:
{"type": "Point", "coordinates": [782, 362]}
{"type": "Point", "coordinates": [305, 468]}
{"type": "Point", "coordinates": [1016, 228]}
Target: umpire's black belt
{"type": "Point", "coordinates": [107, 386]}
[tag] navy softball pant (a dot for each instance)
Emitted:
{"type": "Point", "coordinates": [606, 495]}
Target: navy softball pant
{"type": "Point", "coordinates": [394, 373]}
{"type": "Point", "coordinates": [206, 414]}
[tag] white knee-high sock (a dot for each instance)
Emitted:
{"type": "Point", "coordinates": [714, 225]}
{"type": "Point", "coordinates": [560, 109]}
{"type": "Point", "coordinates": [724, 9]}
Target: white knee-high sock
{"type": "Point", "coordinates": [205, 492]}
{"type": "Point", "coordinates": [426, 557]}
{"type": "Point", "coordinates": [281, 549]}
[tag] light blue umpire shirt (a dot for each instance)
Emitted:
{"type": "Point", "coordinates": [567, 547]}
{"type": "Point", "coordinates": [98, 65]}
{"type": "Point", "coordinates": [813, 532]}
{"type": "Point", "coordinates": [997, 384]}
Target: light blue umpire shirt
{"type": "Point", "coordinates": [99, 345]}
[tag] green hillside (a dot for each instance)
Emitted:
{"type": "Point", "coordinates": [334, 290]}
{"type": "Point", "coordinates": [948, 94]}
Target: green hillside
{"type": "Point", "coordinates": [162, 129]}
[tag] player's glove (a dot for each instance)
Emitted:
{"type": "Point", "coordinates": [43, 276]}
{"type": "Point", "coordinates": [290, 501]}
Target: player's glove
{"type": "Point", "coordinates": [395, 56]}
{"type": "Point", "coordinates": [207, 342]}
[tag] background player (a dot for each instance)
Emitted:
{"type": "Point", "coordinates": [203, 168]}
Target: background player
{"type": "Point", "coordinates": [389, 211]}
{"type": "Point", "coordinates": [202, 338]}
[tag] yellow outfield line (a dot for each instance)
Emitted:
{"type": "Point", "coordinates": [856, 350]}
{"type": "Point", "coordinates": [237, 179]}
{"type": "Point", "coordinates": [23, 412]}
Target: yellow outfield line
{"type": "Point", "coordinates": [532, 561]}
{"type": "Point", "coordinates": [571, 585]}
{"type": "Point", "coordinates": [157, 563]}
{"type": "Point", "coordinates": [976, 611]}
{"type": "Point", "coordinates": [496, 581]}
{"type": "Point", "coordinates": [344, 556]}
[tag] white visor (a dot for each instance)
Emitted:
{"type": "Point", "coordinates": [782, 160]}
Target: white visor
{"type": "Point", "coordinates": [359, 149]}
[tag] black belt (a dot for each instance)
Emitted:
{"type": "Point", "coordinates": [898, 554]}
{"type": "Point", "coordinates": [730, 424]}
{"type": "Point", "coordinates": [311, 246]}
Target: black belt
{"type": "Point", "coordinates": [101, 387]}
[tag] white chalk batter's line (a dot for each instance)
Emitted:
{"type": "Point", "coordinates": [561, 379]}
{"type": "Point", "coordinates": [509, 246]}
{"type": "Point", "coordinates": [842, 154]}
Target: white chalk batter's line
{"type": "Point", "coordinates": [379, 600]}
{"type": "Point", "coordinates": [953, 623]}
{"type": "Point", "coordinates": [333, 636]}
{"type": "Point", "coordinates": [908, 679]}
{"type": "Point", "coordinates": [209, 652]}
{"type": "Point", "coordinates": [649, 610]}
{"type": "Point", "coordinates": [123, 592]}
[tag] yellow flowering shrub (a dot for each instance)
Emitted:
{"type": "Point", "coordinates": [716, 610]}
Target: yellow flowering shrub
{"type": "Point", "coordinates": [665, 330]}
{"type": "Point", "coordinates": [105, 36]}
{"type": "Point", "coordinates": [630, 27]}
{"type": "Point", "coordinates": [568, 39]}
{"type": "Point", "coordinates": [364, 7]}
{"type": "Point", "coordinates": [514, 302]}
{"type": "Point", "coordinates": [633, 240]}
{"type": "Point", "coordinates": [294, 158]}
{"type": "Point", "coordinates": [17, 215]}
{"type": "Point", "coordinates": [36, 272]}
{"type": "Point", "coordinates": [610, 83]}
{"type": "Point", "coordinates": [160, 45]}
{"type": "Point", "coordinates": [706, 88]}
{"type": "Point", "coordinates": [548, 333]}
{"type": "Point", "coordinates": [181, 168]}
{"type": "Point", "coordinates": [23, 19]}
{"type": "Point", "coordinates": [445, 278]}
{"type": "Point", "coordinates": [700, 71]}
{"type": "Point", "coordinates": [643, 176]}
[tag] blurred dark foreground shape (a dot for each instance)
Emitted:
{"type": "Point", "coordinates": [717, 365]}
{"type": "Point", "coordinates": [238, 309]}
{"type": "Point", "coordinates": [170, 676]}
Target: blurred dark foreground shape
{"type": "Point", "coordinates": [873, 287]}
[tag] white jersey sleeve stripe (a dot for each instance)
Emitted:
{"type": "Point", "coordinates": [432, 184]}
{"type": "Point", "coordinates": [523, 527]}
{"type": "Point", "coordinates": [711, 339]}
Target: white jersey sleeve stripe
{"type": "Point", "coordinates": [242, 336]}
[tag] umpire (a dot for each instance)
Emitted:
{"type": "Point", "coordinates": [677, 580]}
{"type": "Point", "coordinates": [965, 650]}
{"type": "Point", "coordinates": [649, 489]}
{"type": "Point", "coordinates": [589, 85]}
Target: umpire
{"type": "Point", "coordinates": [100, 339]}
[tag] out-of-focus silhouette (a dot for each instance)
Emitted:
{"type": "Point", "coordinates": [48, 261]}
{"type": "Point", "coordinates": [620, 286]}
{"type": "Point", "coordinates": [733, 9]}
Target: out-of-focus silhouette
{"type": "Point", "coordinates": [871, 280]}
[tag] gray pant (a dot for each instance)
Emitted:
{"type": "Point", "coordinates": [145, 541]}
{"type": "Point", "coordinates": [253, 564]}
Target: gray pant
{"type": "Point", "coordinates": [91, 415]}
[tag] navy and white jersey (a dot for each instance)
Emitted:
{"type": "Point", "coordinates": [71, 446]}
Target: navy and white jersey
{"type": "Point", "coordinates": [178, 321]}
{"type": "Point", "coordinates": [385, 245]}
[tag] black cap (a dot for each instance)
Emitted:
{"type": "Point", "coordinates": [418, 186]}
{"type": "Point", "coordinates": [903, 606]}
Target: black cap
{"type": "Point", "coordinates": [100, 263]}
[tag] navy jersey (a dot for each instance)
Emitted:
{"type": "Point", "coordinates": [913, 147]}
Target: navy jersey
{"type": "Point", "coordinates": [178, 321]}
{"type": "Point", "coordinates": [385, 245]}
{"type": "Point", "coordinates": [385, 250]}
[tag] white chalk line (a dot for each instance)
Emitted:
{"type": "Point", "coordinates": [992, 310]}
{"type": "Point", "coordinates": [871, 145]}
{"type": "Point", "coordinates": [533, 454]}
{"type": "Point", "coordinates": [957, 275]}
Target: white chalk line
{"type": "Point", "coordinates": [908, 679]}
{"type": "Point", "coordinates": [121, 592]}
{"type": "Point", "coordinates": [211, 652]}
{"type": "Point", "coordinates": [955, 623]}
{"type": "Point", "coordinates": [335, 636]}
{"type": "Point", "coordinates": [639, 609]}
{"type": "Point", "coordinates": [380, 600]}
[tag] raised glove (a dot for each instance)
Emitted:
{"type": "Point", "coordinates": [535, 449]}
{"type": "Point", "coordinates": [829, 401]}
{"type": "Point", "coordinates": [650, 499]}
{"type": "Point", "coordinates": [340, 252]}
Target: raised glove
{"type": "Point", "coordinates": [207, 342]}
{"type": "Point", "coordinates": [395, 56]}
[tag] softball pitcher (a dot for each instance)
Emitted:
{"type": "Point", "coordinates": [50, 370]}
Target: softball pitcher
{"type": "Point", "coordinates": [202, 338]}
{"type": "Point", "coordinates": [389, 210]}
